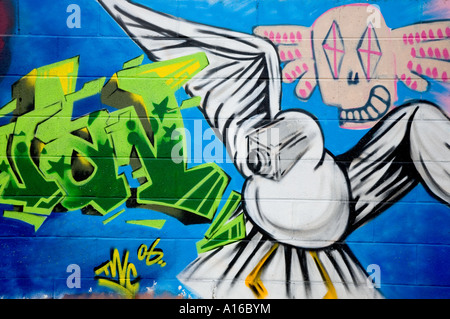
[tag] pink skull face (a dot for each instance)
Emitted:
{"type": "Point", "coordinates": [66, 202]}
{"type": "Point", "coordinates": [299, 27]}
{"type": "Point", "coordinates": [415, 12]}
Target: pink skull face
{"type": "Point", "coordinates": [355, 63]}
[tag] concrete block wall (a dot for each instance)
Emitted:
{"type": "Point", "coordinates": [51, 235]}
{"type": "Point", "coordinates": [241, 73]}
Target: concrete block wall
{"type": "Point", "coordinates": [127, 171]}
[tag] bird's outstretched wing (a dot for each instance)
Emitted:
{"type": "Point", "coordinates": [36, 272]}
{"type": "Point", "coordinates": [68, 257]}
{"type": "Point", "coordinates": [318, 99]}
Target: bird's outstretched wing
{"type": "Point", "coordinates": [239, 89]}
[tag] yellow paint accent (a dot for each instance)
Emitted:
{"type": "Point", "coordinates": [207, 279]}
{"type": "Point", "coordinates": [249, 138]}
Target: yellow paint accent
{"type": "Point", "coordinates": [176, 72]}
{"type": "Point", "coordinates": [83, 160]}
{"type": "Point", "coordinates": [331, 294]}
{"type": "Point", "coordinates": [120, 274]}
{"type": "Point", "coordinates": [63, 72]}
{"type": "Point", "coordinates": [253, 280]}
{"type": "Point", "coordinates": [30, 78]}
{"type": "Point", "coordinates": [116, 287]}
{"type": "Point", "coordinates": [40, 147]}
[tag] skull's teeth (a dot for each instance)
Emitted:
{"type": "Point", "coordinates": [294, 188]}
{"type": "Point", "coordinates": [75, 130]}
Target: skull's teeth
{"type": "Point", "coordinates": [372, 112]}
{"type": "Point", "coordinates": [378, 104]}
{"type": "Point", "coordinates": [350, 115]}
{"type": "Point", "coordinates": [362, 114]}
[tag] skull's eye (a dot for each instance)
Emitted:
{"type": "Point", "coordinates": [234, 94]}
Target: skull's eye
{"type": "Point", "coordinates": [369, 51]}
{"type": "Point", "coordinates": [333, 46]}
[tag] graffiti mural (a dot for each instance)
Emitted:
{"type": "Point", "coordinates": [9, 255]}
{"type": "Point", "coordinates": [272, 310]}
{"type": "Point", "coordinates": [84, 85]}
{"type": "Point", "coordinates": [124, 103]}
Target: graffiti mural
{"type": "Point", "coordinates": [290, 150]}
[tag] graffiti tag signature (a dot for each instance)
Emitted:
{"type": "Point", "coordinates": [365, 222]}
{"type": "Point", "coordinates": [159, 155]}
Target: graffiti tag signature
{"type": "Point", "coordinates": [121, 275]}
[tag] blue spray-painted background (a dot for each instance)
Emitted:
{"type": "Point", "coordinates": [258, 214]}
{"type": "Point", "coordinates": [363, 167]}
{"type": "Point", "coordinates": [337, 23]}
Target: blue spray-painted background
{"type": "Point", "coordinates": [410, 241]}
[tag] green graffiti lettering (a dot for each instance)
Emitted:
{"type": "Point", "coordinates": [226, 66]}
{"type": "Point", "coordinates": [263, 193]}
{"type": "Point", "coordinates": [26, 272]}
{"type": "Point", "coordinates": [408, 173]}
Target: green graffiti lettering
{"type": "Point", "coordinates": [224, 231]}
{"type": "Point", "coordinates": [153, 116]}
{"type": "Point", "coordinates": [51, 160]}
